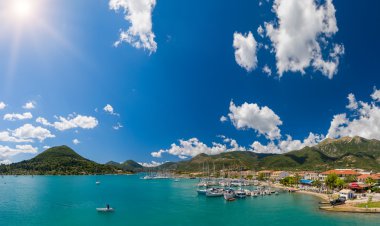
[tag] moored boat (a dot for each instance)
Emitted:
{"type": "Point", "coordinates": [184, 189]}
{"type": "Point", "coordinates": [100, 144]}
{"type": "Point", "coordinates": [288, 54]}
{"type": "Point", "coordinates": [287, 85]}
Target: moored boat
{"type": "Point", "coordinates": [240, 194]}
{"type": "Point", "coordinates": [229, 195]}
{"type": "Point", "coordinates": [214, 192]}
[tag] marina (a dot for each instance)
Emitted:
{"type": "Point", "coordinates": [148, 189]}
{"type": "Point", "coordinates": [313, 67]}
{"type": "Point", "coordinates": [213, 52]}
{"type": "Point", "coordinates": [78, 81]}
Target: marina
{"type": "Point", "coordinates": [72, 200]}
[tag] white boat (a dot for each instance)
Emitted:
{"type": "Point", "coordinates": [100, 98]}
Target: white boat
{"type": "Point", "coordinates": [104, 209]}
{"type": "Point", "coordinates": [201, 191]}
{"type": "Point", "coordinates": [240, 194]}
{"type": "Point", "coordinates": [229, 195]}
{"type": "Point", "coordinates": [97, 182]}
{"type": "Point", "coordinates": [214, 192]}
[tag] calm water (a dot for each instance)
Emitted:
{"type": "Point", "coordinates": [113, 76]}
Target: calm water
{"type": "Point", "coordinates": [71, 200]}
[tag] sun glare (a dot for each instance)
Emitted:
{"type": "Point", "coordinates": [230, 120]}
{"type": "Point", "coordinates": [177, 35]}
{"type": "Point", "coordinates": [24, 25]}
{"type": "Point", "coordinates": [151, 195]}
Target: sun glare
{"type": "Point", "coordinates": [22, 8]}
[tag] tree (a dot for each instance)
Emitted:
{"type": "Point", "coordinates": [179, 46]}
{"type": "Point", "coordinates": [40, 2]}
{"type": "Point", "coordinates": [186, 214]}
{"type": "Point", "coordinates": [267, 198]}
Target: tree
{"type": "Point", "coordinates": [316, 183]}
{"type": "Point", "coordinates": [297, 179]}
{"type": "Point", "coordinates": [261, 176]}
{"type": "Point", "coordinates": [339, 183]}
{"type": "Point", "coordinates": [350, 178]}
{"type": "Point", "coordinates": [370, 181]}
{"type": "Point", "coordinates": [330, 180]}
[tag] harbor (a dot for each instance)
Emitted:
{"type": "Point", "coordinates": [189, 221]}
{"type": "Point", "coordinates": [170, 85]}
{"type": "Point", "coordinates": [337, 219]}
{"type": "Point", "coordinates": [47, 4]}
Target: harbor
{"type": "Point", "coordinates": [72, 200]}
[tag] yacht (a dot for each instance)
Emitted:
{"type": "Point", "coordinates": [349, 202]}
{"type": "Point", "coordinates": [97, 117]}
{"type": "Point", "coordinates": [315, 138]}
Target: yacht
{"type": "Point", "coordinates": [214, 192]}
{"type": "Point", "coordinates": [240, 194]}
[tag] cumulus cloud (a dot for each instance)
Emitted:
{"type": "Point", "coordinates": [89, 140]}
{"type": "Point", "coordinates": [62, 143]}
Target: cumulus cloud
{"type": "Point", "coordinates": [29, 105]}
{"type": "Point", "coordinates": [109, 109]}
{"type": "Point", "coordinates": [76, 141]}
{"type": "Point", "coordinates": [301, 32]}
{"type": "Point", "coordinates": [193, 147]}
{"type": "Point", "coordinates": [79, 121]}
{"type": "Point", "coordinates": [2, 105]}
{"type": "Point", "coordinates": [5, 162]}
{"type": "Point", "coordinates": [29, 131]}
{"type": "Point", "coordinates": [158, 154]}
{"type": "Point", "coordinates": [223, 118]}
{"type": "Point", "coordinates": [6, 136]}
{"type": "Point", "coordinates": [6, 151]}
{"type": "Point", "coordinates": [139, 14]}
{"type": "Point", "coordinates": [364, 121]}
{"type": "Point", "coordinates": [245, 50]}
{"type": "Point", "coordinates": [283, 146]}
{"type": "Point", "coordinates": [267, 70]}
{"type": "Point", "coordinates": [261, 119]}
{"type": "Point", "coordinates": [376, 95]}
{"type": "Point", "coordinates": [15, 116]}
{"type": "Point", "coordinates": [352, 104]}
{"type": "Point", "coordinates": [151, 164]}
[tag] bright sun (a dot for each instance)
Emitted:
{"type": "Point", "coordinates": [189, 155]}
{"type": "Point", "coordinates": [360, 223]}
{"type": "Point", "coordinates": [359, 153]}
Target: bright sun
{"type": "Point", "coordinates": [22, 8]}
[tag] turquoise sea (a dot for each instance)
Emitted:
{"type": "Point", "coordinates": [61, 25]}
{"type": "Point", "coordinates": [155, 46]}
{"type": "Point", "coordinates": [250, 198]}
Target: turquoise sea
{"type": "Point", "coordinates": [71, 200]}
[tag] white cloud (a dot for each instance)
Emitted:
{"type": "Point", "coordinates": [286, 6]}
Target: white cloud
{"type": "Point", "coordinates": [76, 141]}
{"type": "Point", "coordinates": [158, 154]}
{"type": "Point", "coordinates": [15, 116]}
{"type": "Point", "coordinates": [223, 118]}
{"type": "Point", "coordinates": [267, 70]}
{"type": "Point", "coordinates": [46, 147]}
{"type": "Point", "coordinates": [109, 109]}
{"type": "Point", "coordinates": [2, 105]}
{"type": "Point", "coordinates": [283, 146]}
{"type": "Point", "coordinates": [151, 164]}
{"type": "Point", "coordinates": [117, 126]}
{"type": "Point", "coordinates": [303, 26]}
{"type": "Point", "coordinates": [139, 14]}
{"type": "Point", "coordinates": [43, 121]}
{"type": "Point", "coordinates": [376, 94]}
{"type": "Point", "coordinates": [5, 136]}
{"type": "Point", "coordinates": [193, 147]}
{"type": "Point", "coordinates": [251, 116]}
{"type": "Point", "coordinates": [6, 151]}
{"type": "Point", "coordinates": [28, 131]}
{"type": "Point", "coordinates": [5, 162]}
{"type": "Point", "coordinates": [352, 104]}
{"type": "Point", "coordinates": [245, 50]}
{"type": "Point", "coordinates": [260, 31]}
{"type": "Point", "coordinates": [364, 121]}
{"type": "Point", "coordinates": [79, 121]}
{"type": "Point", "coordinates": [29, 105]}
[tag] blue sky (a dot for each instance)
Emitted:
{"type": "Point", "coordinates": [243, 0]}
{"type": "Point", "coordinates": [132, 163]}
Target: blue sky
{"type": "Point", "coordinates": [62, 58]}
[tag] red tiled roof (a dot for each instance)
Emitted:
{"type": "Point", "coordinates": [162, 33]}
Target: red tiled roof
{"type": "Point", "coordinates": [373, 176]}
{"type": "Point", "coordinates": [344, 172]}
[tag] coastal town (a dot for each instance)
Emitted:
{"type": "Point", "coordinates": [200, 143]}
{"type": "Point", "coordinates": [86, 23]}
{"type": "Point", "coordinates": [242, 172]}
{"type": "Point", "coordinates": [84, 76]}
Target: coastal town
{"type": "Point", "coordinates": [342, 190]}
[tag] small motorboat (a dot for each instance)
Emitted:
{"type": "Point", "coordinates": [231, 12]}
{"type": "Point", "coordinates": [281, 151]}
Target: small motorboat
{"type": "Point", "coordinates": [229, 195]}
{"type": "Point", "coordinates": [104, 209]}
{"type": "Point", "coordinates": [201, 191]}
{"type": "Point", "coordinates": [97, 182]}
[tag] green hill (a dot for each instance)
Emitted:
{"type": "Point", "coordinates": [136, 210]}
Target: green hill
{"type": "Point", "coordinates": [57, 160]}
{"type": "Point", "coordinates": [128, 165]}
{"type": "Point", "coordinates": [346, 152]}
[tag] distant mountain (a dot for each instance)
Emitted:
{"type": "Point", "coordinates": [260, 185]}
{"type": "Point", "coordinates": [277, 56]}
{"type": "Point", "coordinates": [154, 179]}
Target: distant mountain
{"type": "Point", "coordinates": [128, 165]}
{"type": "Point", "coordinates": [238, 160]}
{"type": "Point", "coordinates": [346, 152]}
{"type": "Point", "coordinates": [58, 160]}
